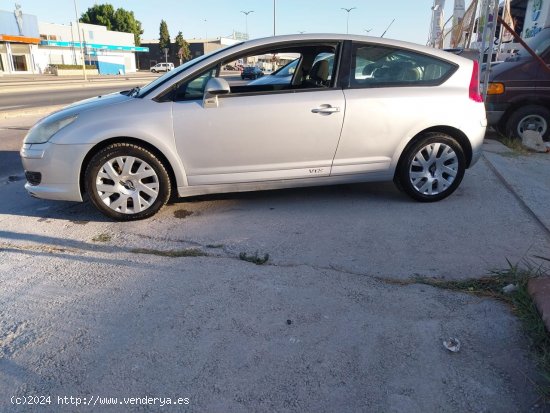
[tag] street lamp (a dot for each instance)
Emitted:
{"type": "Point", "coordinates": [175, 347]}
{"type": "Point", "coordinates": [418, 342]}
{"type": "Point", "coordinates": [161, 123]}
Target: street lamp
{"type": "Point", "coordinates": [347, 21]}
{"type": "Point", "coordinates": [206, 36]}
{"type": "Point", "coordinates": [246, 13]}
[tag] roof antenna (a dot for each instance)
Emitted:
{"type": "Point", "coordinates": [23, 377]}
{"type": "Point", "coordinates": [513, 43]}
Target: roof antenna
{"type": "Point", "coordinates": [387, 28]}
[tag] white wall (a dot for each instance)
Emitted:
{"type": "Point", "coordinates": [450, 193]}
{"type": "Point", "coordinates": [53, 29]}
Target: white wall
{"type": "Point", "coordinates": [89, 33]}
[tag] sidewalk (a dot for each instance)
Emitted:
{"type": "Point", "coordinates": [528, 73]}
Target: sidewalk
{"type": "Point", "coordinates": [527, 178]}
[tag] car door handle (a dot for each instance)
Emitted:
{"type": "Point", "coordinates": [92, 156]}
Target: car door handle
{"type": "Point", "coordinates": [325, 109]}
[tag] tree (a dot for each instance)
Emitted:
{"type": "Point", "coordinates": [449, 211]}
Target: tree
{"type": "Point", "coordinates": [183, 48]}
{"type": "Point", "coordinates": [164, 36]}
{"type": "Point", "coordinates": [101, 14]}
{"type": "Point", "coordinates": [125, 21]}
{"type": "Point", "coordinates": [118, 20]}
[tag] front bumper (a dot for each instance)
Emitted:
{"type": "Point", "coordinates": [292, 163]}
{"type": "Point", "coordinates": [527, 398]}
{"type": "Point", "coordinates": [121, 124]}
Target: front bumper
{"type": "Point", "coordinates": [494, 117]}
{"type": "Point", "coordinates": [59, 167]}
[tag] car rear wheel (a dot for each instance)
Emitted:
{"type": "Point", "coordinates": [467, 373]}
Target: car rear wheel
{"type": "Point", "coordinates": [530, 117]}
{"type": "Point", "coordinates": [127, 182]}
{"type": "Point", "coordinates": [431, 168]}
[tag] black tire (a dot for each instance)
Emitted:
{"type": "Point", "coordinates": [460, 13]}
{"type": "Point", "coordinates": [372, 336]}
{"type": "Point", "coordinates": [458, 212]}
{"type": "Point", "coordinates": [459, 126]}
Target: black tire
{"type": "Point", "coordinates": [520, 119]}
{"type": "Point", "coordinates": [154, 71]}
{"type": "Point", "coordinates": [438, 182]}
{"type": "Point", "coordinates": [152, 190]}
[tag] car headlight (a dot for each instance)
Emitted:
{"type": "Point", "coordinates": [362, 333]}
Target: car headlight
{"type": "Point", "coordinates": [43, 132]}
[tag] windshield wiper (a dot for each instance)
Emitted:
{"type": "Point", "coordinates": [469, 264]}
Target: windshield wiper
{"type": "Point", "coordinates": [134, 92]}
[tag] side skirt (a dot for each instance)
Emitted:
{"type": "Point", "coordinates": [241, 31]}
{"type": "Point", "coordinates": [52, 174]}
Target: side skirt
{"type": "Point", "coordinates": [185, 191]}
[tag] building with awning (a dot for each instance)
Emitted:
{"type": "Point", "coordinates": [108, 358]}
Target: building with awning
{"type": "Point", "coordinates": [112, 52]}
{"type": "Point", "coordinates": [19, 39]}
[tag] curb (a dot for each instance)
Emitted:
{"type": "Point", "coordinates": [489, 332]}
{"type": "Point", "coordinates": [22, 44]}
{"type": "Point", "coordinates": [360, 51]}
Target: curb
{"type": "Point", "coordinates": [539, 290]}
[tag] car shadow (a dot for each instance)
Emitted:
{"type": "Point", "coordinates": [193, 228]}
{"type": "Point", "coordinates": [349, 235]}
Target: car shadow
{"type": "Point", "coordinates": [21, 204]}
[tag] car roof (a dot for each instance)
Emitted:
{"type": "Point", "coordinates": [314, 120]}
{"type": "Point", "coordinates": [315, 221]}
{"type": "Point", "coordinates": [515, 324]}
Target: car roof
{"type": "Point", "coordinates": [358, 38]}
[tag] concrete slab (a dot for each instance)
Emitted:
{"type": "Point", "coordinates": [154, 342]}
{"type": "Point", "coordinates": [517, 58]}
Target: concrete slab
{"type": "Point", "coordinates": [319, 328]}
{"type": "Point", "coordinates": [233, 336]}
{"type": "Point", "coordinates": [526, 176]}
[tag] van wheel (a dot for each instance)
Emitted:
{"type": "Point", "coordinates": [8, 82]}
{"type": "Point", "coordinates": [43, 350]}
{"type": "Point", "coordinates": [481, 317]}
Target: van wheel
{"type": "Point", "coordinates": [127, 182]}
{"type": "Point", "coordinates": [431, 168]}
{"type": "Point", "coordinates": [530, 117]}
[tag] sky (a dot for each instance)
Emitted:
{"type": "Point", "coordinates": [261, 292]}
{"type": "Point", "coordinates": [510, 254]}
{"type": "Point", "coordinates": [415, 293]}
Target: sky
{"type": "Point", "coordinates": [216, 18]}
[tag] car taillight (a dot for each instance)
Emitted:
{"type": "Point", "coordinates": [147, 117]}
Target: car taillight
{"type": "Point", "coordinates": [475, 92]}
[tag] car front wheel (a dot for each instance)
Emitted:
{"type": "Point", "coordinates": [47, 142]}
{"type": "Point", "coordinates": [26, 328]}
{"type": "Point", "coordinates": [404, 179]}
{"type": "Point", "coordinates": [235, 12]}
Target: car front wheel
{"type": "Point", "coordinates": [127, 182]}
{"type": "Point", "coordinates": [431, 168]}
{"type": "Point", "coordinates": [530, 117]}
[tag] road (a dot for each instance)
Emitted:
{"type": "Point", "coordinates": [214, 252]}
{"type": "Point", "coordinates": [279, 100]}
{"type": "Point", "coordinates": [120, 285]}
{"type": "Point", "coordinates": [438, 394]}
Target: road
{"type": "Point", "coordinates": [12, 132]}
{"type": "Point", "coordinates": [39, 98]}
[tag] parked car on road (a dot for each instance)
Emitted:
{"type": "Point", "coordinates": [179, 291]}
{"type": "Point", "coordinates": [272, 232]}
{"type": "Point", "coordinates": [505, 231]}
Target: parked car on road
{"type": "Point", "coordinates": [251, 72]}
{"type": "Point", "coordinates": [162, 67]}
{"type": "Point", "coordinates": [518, 93]}
{"type": "Point", "coordinates": [384, 110]}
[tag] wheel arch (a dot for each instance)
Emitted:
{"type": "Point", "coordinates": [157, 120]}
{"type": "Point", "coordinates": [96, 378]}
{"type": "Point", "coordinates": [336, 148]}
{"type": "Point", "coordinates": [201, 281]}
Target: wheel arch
{"type": "Point", "coordinates": [455, 133]}
{"type": "Point", "coordinates": [517, 104]}
{"type": "Point", "coordinates": [126, 139]}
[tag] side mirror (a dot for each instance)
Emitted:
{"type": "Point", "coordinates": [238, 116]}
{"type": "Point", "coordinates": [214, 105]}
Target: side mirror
{"type": "Point", "coordinates": [214, 87]}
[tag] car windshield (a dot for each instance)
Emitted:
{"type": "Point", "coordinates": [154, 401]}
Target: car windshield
{"type": "Point", "coordinates": [286, 70]}
{"type": "Point", "coordinates": [168, 75]}
{"type": "Point", "coordinates": [540, 42]}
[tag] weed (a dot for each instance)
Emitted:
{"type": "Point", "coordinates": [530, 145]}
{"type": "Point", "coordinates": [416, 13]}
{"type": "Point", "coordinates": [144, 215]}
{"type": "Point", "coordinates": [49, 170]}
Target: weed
{"type": "Point", "coordinates": [255, 259]}
{"type": "Point", "coordinates": [514, 144]}
{"type": "Point", "coordinates": [191, 252]}
{"type": "Point", "coordinates": [215, 246]}
{"type": "Point", "coordinates": [102, 238]}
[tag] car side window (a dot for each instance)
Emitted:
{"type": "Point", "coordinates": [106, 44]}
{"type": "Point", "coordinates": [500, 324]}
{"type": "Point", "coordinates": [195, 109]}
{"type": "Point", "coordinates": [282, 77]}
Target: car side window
{"type": "Point", "coordinates": [306, 66]}
{"type": "Point", "coordinates": [381, 66]}
{"type": "Point", "coordinates": [194, 88]}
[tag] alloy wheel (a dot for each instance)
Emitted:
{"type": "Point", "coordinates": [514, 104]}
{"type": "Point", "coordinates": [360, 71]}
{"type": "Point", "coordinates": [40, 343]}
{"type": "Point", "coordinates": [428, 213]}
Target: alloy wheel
{"type": "Point", "coordinates": [127, 184]}
{"type": "Point", "coordinates": [433, 169]}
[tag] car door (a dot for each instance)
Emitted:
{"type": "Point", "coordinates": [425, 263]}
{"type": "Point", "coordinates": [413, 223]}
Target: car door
{"type": "Point", "coordinates": [391, 94]}
{"type": "Point", "coordinates": [265, 133]}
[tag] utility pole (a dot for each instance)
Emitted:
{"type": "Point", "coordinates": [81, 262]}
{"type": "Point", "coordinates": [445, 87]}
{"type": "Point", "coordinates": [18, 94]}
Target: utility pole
{"type": "Point", "coordinates": [274, 20]}
{"type": "Point", "coordinates": [347, 20]}
{"type": "Point", "coordinates": [246, 13]}
{"type": "Point", "coordinates": [80, 41]}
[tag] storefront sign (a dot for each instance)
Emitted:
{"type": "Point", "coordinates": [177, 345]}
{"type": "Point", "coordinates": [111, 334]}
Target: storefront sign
{"type": "Point", "coordinates": [536, 17]}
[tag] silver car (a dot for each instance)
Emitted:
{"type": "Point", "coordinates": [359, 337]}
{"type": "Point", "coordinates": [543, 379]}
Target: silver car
{"type": "Point", "coordinates": [383, 110]}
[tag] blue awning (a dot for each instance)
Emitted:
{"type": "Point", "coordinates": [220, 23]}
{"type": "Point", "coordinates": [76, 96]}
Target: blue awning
{"type": "Point", "coordinates": [95, 46]}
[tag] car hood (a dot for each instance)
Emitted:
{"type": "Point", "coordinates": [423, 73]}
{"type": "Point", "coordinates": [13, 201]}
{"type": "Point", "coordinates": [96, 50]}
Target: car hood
{"type": "Point", "coordinates": [101, 100]}
{"type": "Point", "coordinates": [499, 71]}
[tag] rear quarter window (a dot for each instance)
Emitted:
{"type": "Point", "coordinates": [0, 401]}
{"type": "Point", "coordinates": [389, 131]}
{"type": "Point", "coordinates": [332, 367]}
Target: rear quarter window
{"type": "Point", "coordinates": [382, 66]}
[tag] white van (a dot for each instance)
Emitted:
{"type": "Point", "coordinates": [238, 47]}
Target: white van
{"type": "Point", "coordinates": [162, 67]}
